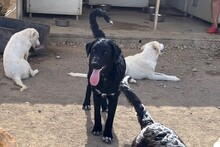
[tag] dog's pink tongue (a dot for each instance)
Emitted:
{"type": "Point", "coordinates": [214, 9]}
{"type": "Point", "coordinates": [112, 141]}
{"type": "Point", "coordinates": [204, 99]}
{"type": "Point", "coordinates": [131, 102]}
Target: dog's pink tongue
{"type": "Point", "coordinates": [95, 76]}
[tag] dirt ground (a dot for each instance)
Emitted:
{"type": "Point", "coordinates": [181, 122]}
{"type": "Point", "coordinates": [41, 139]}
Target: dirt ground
{"type": "Point", "coordinates": [49, 113]}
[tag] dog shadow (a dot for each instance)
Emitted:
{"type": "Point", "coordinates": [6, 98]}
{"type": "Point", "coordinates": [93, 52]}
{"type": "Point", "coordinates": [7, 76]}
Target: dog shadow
{"type": "Point", "coordinates": [97, 140]}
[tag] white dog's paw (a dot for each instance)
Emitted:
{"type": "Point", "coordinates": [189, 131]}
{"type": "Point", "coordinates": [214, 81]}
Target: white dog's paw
{"type": "Point", "coordinates": [36, 71]}
{"type": "Point", "coordinates": [23, 88]}
{"type": "Point", "coordinates": [132, 81]}
{"type": "Point", "coordinates": [33, 73]}
{"type": "Point", "coordinates": [175, 78]}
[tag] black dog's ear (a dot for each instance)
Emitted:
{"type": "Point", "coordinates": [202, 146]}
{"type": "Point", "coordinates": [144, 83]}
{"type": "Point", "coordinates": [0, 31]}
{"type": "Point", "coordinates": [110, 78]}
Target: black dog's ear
{"type": "Point", "coordinates": [89, 47]}
{"type": "Point", "coordinates": [117, 51]}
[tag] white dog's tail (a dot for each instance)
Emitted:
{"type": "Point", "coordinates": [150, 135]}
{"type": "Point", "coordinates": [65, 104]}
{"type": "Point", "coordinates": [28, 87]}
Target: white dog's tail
{"type": "Point", "coordinates": [80, 75]}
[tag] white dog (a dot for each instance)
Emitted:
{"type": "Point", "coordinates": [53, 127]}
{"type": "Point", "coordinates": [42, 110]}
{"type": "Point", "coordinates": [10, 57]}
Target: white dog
{"type": "Point", "coordinates": [142, 65]}
{"type": "Point", "coordinates": [217, 143]}
{"type": "Point", "coordinates": [16, 53]}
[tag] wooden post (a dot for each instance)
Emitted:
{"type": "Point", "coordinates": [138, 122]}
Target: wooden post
{"type": "Point", "coordinates": [156, 14]}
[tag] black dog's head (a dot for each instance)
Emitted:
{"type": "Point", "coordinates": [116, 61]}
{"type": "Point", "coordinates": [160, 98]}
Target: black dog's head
{"type": "Point", "coordinates": [104, 54]}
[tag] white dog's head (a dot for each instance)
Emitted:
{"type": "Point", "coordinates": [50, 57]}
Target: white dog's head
{"type": "Point", "coordinates": [153, 48]}
{"type": "Point", "coordinates": [33, 37]}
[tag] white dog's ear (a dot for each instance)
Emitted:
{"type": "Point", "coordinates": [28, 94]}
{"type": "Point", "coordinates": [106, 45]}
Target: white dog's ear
{"type": "Point", "coordinates": [156, 47]}
{"type": "Point", "coordinates": [33, 32]}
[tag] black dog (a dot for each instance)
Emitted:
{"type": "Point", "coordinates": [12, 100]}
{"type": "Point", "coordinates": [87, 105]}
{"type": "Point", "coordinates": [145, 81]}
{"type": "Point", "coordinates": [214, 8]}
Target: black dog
{"type": "Point", "coordinates": [152, 134]}
{"type": "Point", "coordinates": [98, 34]}
{"type": "Point", "coordinates": [106, 71]}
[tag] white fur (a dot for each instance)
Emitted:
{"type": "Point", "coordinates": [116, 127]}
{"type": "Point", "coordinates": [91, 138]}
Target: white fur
{"type": "Point", "coordinates": [142, 65]}
{"type": "Point", "coordinates": [16, 53]}
{"type": "Point", "coordinates": [217, 143]}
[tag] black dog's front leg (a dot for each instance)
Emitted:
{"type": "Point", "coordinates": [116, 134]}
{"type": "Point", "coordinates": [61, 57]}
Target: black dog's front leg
{"type": "Point", "coordinates": [86, 103]}
{"type": "Point", "coordinates": [107, 136]}
{"type": "Point", "coordinates": [97, 128]}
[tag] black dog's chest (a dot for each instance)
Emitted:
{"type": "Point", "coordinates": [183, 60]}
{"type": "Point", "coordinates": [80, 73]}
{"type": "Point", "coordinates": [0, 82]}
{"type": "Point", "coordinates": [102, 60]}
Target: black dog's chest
{"type": "Point", "coordinates": [107, 85]}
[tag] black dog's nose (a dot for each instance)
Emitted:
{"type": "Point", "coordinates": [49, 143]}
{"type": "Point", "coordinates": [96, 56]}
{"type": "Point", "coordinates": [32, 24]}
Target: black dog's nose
{"type": "Point", "coordinates": [95, 65]}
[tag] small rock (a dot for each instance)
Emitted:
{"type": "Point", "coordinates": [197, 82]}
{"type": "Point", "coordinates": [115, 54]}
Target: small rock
{"type": "Point", "coordinates": [177, 87]}
{"type": "Point", "coordinates": [208, 62]}
{"type": "Point", "coordinates": [58, 57]}
{"type": "Point", "coordinates": [202, 89]}
{"type": "Point", "coordinates": [160, 84]}
{"type": "Point", "coordinates": [209, 59]}
{"type": "Point", "coordinates": [218, 107]}
{"type": "Point", "coordinates": [27, 103]}
{"type": "Point", "coordinates": [194, 69]}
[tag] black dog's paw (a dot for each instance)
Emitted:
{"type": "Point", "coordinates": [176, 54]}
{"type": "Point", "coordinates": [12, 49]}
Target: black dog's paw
{"type": "Point", "coordinates": [97, 131]}
{"type": "Point", "coordinates": [86, 107]}
{"type": "Point", "coordinates": [107, 136]}
{"type": "Point", "coordinates": [107, 140]}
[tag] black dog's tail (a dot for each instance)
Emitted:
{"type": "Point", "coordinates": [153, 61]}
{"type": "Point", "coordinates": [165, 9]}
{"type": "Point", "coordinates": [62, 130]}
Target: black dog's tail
{"type": "Point", "coordinates": [143, 115]}
{"type": "Point", "coordinates": [97, 32]}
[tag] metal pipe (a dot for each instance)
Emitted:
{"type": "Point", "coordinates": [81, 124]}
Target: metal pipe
{"type": "Point", "coordinates": [156, 14]}
{"type": "Point", "coordinates": [19, 9]}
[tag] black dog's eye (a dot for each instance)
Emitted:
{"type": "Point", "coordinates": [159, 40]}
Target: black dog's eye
{"type": "Point", "coordinates": [93, 50]}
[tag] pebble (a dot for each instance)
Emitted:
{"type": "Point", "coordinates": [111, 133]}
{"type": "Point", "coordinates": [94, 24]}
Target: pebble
{"type": "Point", "coordinates": [177, 87]}
{"type": "Point", "coordinates": [209, 59]}
{"type": "Point", "coordinates": [208, 62]}
{"type": "Point", "coordinates": [58, 57]}
{"type": "Point", "coordinates": [27, 103]}
{"type": "Point", "coordinates": [161, 84]}
{"type": "Point", "coordinates": [194, 69]}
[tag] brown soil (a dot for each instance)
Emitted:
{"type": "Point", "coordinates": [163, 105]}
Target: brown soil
{"type": "Point", "coordinates": [49, 113]}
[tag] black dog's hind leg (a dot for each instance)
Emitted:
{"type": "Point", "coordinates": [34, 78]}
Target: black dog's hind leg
{"type": "Point", "coordinates": [86, 103]}
{"type": "Point", "coordinates": [107, 136]}
{"type": "Point", "coordinates": [97, 128]}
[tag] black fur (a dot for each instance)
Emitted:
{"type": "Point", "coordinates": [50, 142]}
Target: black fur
{"type": "Point", "coordinates": [106, 55]}
{"type": "Point", "coordinates": [152, 134]}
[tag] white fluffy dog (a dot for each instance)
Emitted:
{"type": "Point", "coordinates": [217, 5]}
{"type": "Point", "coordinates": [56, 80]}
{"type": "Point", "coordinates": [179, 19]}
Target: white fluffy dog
{"type": "Point", "coordinates": [16, 53]}
{"type": "Point", "coordinates": [142, 65]}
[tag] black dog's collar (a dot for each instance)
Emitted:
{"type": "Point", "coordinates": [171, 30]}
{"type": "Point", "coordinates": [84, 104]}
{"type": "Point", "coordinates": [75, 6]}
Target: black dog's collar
{"type": "Point", "coordinates": [104, 94]}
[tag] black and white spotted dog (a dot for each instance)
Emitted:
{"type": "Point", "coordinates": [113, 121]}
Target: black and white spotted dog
{"type": "Point", "coordinates": [152, 134]}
